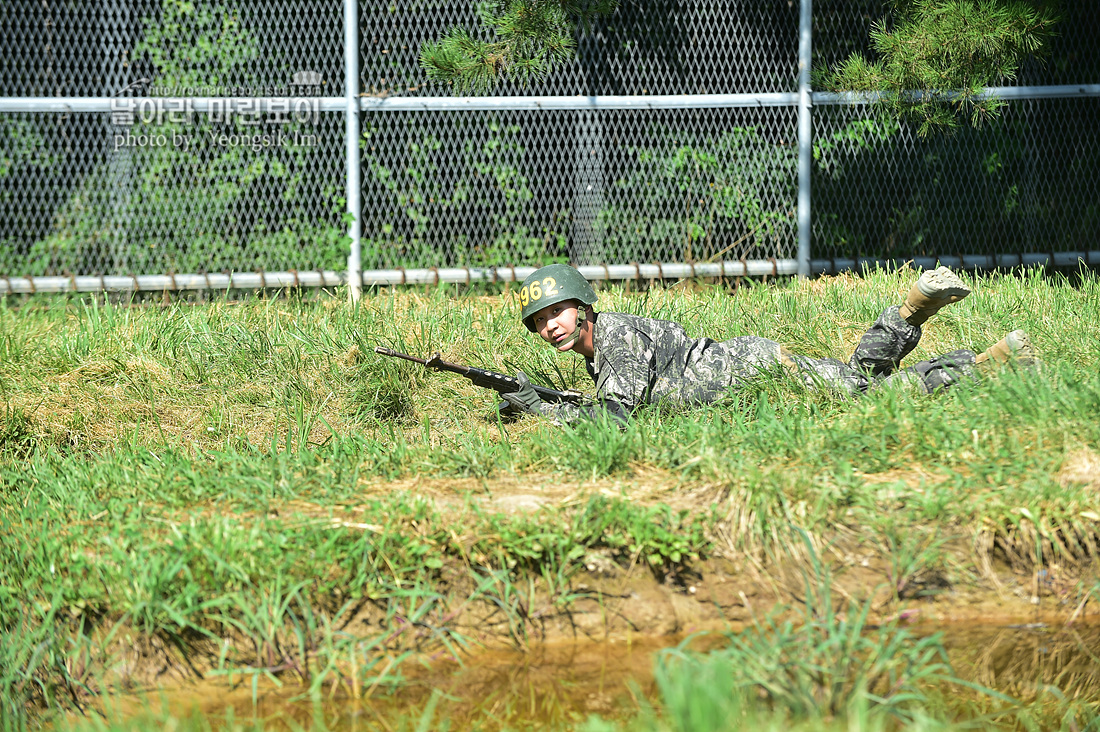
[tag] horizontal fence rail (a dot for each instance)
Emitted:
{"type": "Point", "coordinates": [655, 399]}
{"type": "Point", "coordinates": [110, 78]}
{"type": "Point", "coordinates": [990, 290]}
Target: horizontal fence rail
{"type": "Point", "coordinates": [516, 103]}
{"type": "Point", "coordinates": [471, 275]}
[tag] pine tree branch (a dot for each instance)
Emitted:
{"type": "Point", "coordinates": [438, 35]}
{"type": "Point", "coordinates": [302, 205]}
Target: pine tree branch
{"type": "Point", "coordinates": [530, 38]}
{"type": "Point", "coordinates": [934, 57]}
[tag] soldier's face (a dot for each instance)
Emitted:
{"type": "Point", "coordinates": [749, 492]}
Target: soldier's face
{"type": "Point", "coordinates": [555, 323]}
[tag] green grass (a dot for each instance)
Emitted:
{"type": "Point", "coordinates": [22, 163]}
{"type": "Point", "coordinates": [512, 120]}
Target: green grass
{"type": "Point", "coordinates": [178, 477]}
{"type": "Point", "coordinates": [237, 575]}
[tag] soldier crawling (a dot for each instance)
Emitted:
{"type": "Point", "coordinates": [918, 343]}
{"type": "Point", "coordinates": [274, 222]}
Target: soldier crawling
{"type": "Point", "coordinates": [636, 361]}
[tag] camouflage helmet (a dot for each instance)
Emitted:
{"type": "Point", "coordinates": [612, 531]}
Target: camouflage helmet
{"type": "Point", "coordinates": [550, 285]}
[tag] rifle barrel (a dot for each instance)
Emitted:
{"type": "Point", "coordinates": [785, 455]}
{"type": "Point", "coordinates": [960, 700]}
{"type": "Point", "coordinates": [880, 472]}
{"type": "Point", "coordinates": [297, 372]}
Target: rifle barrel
{"type": "Point", "coordinates": [481, 377]}
{"type": "Point", "coordinates": [398, 354]}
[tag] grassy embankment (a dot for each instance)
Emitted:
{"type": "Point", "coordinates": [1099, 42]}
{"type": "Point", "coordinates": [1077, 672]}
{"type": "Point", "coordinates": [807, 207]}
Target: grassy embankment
{"type": "Point", "coordinates": [247, 487]}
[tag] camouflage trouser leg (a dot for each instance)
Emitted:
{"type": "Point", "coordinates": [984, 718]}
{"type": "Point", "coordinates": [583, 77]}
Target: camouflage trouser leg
{"type": "Point", "coordinates": [876, 360]}
{"type": "Point", "coordinates": [879, 352]}
{"type": "Point", "coordinates": [927, 376]}
{"type": "Point", "coordinates": [940, 372]}
{"type": "Point", "coordinates": [825, 373]}
{"type": "Point", "coordinates": [885, 344]}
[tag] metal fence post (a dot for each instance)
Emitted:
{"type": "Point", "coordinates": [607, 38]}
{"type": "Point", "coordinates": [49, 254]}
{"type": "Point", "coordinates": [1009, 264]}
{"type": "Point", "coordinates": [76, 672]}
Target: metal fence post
{"type": "Point", "coordinates": [588, 160]}
{"type": "Point", "coordinates": [354, 187]}
{"type": "Point", "coordinates": [115, 18]}
{"type": "Point", "coordinates": [805, 136]}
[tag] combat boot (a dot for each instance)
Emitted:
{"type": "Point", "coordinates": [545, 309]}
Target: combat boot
{"type": "Point", "coordinates": [933, 290]}
{"type": "Point", "coordinates": [1016, 346]}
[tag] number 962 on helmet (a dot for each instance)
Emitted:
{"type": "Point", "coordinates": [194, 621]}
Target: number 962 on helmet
{"type": "Point", "coordinates": [550, 285]}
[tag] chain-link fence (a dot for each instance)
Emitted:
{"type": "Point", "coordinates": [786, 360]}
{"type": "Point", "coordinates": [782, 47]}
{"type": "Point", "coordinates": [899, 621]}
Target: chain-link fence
{"type": "Point", "coordinates": [190, 140]}
{"type": "Point", "coordinates": [159, 185]}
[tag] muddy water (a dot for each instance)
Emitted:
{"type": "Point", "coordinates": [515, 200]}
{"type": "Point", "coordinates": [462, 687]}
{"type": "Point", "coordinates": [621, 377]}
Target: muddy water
{"type": "Point", "coordinates": [551, 685]}
{"type": "Point", "coordinates": [1021, 661]}
{"type": "Point", "coordinates": [545, 686]}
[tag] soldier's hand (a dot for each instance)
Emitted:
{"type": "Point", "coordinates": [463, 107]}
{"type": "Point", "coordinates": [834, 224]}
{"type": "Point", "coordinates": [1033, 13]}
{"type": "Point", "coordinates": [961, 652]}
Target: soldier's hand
{"type": "Point", "coordinates": [525, 400]}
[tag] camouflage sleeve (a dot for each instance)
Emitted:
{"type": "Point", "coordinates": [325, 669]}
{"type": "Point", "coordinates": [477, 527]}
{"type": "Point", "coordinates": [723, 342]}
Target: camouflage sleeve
{"type": "Point", "coordinates": [563, 413]}
{"type": "Point", "coordinates": [624, 365]}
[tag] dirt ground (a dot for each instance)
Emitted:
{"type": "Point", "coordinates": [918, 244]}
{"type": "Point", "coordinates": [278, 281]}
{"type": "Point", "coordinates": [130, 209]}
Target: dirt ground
{"type": "Point", "coordinates": [614, 604]}
{"type": "Point", "coordinates": [623, 604]}
{"type": "Point", "coordinates": [976, 583]}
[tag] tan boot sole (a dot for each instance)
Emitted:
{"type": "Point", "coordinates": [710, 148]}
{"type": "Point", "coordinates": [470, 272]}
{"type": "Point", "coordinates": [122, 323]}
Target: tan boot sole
{"type": "Point", "coordinates": [1019, 345]}
{"type": "Point", "coordinates": [942, 284]}
{"type": "Point", "coordinates": [933, 290]}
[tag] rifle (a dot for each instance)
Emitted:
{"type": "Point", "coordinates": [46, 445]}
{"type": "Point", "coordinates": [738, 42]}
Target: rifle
{"type": "Point", "coordinates": [500, 383]}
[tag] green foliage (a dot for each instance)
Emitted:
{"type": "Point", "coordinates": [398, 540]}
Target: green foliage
{"type": "Point", "coordinates": [975, 190]}
{"type": "Point", "coordinates": [196, 44]}
{"type": "Point", "coordinates": [183, 472]}
{"type": "Point", "coordinates": [21, 145]}
{"type": "Point", "coordinates": [594, 448]}
{"type": "Point", "coordinates": [663, 538]}
{"type": "Point", "coordinates": [827, 663]}
{"type": "Point", "coordinates": [856, 137]}
{"type": "Point", "coordinates": [386, 400]}
{"type": "Point", "coordinates": [489, 190]}
{"type": "Point", "coordinates": [916, 561]}
{"type": "Point", "coordinates": [22, 152]}
{"type": "Point", "coordinates": [275, 593]}
{"type": "Point", "coordinates": [532, 37]}
{"type": "Point", "coordinates": [716, 197]}
{"type": "Point", "coordinates": [935, 57]}
{"type": "Point", "coordinates": [17, 436]}
{"type": "Point", "coordinates": [826, 668]}
{"type": "Point", "coordinates": [44, 664]}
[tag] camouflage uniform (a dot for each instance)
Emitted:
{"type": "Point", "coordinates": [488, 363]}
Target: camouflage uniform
{"type": "Point", "coordinates": [644, 361]}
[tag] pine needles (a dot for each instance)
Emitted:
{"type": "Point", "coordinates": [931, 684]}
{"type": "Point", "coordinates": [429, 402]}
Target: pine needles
{"type": "Point", "coordinates": [531, 37]}
{"type": "Point", "coordinates": [935, 58]}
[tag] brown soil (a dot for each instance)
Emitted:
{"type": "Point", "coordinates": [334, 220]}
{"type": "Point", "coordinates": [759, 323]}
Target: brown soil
{"type": "Point", "coordinates": [977, 580]}
{"type": "Point", "coordinates": [627, 603]}
{"type": "Point", "coordinates": [632, 604]}
{"type": "Point", "coordinates": [1081, 467]}
{"type": "Point", "coordinates": [612, 604]}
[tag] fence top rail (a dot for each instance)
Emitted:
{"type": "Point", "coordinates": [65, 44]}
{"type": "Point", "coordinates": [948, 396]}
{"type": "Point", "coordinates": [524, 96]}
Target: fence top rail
{"type": "Point", "coordinates": [468, 275]}
{"type": "Point", "coordinates": [171, 104]}
{"type": "Point", "coordinates": [547, 103]}
{"type": "Point", "coordinates": [668, 101]}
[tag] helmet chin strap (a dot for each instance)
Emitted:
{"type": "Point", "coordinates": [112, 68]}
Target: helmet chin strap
{"type": "Point", "coordinates": [581, 317]}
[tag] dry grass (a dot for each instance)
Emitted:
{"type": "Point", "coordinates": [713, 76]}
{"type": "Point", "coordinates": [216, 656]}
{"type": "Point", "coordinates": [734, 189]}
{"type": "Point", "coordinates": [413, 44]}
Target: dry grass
{"type": "Point", "coordinates": [1081, 468]}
